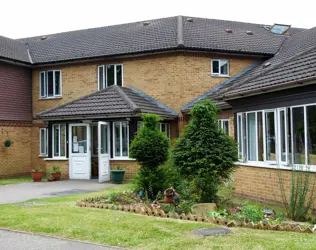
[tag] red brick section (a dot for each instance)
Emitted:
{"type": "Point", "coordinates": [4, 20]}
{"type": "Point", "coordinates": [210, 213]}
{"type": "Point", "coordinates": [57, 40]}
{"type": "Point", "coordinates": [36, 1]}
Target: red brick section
{"type": "Point", "coordinates": [15, 93]}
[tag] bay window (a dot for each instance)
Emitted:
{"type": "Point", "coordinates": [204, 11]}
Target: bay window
{"type": "Point", "coordinates": [59, 140]}
{"type": "Point", "coordinates": [50, 84]}
{"type": "Point", "coordinates": [120, 139]}
{"type": "Point", "coordinates": [281, 136]}
{"type": "Point", "coordinates": [110, 74]}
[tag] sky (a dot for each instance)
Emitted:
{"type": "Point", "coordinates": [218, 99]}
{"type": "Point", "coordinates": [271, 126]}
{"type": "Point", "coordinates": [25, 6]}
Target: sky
{"type": "Point", "coordinates": [26, 18]}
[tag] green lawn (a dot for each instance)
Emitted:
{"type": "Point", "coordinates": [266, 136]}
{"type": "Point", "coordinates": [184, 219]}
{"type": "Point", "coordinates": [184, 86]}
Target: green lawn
{"type": "Point", "coordinates": [62, 218]}
{"type": "Point", "coordinates": [15, 180]}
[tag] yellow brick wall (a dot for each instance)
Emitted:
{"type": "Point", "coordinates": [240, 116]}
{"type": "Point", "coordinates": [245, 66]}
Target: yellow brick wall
{"type": "Point", "coordinates": [15, 160]}
{"type": "Point", "coordinates": [62, 164]}
{"type": "Point", "coordinates": [262, 184]}
{"type": "Point", "coordinates": [130, 166]}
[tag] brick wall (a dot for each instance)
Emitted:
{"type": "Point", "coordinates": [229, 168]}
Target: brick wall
{"type": "Point", "coordinates": [15, 160]}
{"type": "Point", "coordinates": [130, 166]}
{"type": "Point", "coordinates": [262, 184]}
{"type": "Point", "coordinates": [62, 164]}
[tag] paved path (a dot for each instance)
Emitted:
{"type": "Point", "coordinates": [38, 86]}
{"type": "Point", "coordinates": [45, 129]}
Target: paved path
{"type": "Point", "coordinates": [24, 241]}
{"type": "Point", "coordinates": [34, 190]}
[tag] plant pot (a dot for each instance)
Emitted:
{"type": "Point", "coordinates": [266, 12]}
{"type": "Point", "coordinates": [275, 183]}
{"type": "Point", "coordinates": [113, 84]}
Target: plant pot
{"type": "Point", "coordinates": [56, 176]}
{"type": "Point", "coordinates": [168, 199]}
{"type": "Point", "coordinates": [37, 176]}
{"type": "Point", "coordinates": [117, 176]}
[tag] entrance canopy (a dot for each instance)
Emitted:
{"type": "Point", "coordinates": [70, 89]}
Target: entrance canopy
{"type": "Point", "coordinates": [111, 102]}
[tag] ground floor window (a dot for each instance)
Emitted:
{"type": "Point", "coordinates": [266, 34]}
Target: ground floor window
{"type": "Point", "coordinates": [283, 135]}
{"type": "Point", "coordinates": [43, 142]}
{"type": "Point", "coordinates": [224, 125]}
{"type": "Point", "coordinates": [59, 140]}
{"type": "Point", "coordinates": [165, 128]}
{"type": "Point", "coordinates": [121, 139]}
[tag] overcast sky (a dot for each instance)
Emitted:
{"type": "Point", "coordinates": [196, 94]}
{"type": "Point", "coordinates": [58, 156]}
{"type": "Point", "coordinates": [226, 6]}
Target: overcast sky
{"type": "Point", "coordinates": [24, 18]}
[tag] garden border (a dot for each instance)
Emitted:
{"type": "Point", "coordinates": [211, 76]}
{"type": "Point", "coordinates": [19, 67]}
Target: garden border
{"type": "Point", "coordinates": [190, 217]}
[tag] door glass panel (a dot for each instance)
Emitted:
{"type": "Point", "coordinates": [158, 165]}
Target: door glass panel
{"type": "Point", "coordinates": [124, 139]}
{"type": "Point", "coordinates": [94, 140]}
{"type": "Point", "coordinates": [270, 136]}
{"type": "Point", "coordinates": [311, 134]}
{"type": "Point", "coordinates": [117, 139]}
{"type": "Point", "coordinates": [104, 139]}
{"type": "Point", "coordinates": [79, 139]}
{"type": "Point", "coordinates": [282, 136]}
{"type": "Point", "coordinates": [110, 75]}
{"type": "Point", "coordinates": [260, 136]}
{"type": "Point", "coordinates": [298, 135]}
{"type": "Point", "coordinates": [251, 136]}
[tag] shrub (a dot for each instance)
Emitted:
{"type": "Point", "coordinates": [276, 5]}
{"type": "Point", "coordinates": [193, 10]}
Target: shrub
{"type": "Point", "coordinates": [205, 154]}
{"type": "Point", "coordinates": [150, 148]}
{"type": "Point", "coordinates": [248, 213]}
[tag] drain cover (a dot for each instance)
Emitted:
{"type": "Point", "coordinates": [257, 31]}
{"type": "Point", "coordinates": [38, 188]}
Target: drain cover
{"type": "Point", "coordinates": [211, 231]}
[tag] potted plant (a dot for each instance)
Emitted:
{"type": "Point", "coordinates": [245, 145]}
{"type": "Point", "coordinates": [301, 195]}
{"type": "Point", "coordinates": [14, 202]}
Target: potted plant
{"type": "Point", "coordinates": [56, 173]}
{"type": "Point", "coordinates": [50, 178]}
{"type": "Point", "coordinates": [117, 175]}
{"type": "Point", "coordinates": [37, 174]}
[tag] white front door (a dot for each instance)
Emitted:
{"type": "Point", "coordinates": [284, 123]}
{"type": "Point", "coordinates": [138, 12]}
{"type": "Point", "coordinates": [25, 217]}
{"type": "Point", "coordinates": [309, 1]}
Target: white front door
{"type": "Point", "coordinates": [104, 151]}
{"type": "Point", "coordinates": [79, 151]}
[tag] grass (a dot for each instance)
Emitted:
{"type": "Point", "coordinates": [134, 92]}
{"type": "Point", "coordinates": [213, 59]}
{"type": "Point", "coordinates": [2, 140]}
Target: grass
{"type": "Point", "coordinates": [15, 180]}
{"type": "Point", "coordinates": [60, 217]}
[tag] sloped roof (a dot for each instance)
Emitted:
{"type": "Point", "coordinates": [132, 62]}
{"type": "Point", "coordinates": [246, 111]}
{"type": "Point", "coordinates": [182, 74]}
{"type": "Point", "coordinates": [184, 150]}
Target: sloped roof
{"type": "Point", "coordinates": [170, 33]}
{"type": "Point", "coordinates": [110, 102]}
{"type": "Point", "coordinates": [295, 62]}
{"type": "Point", "coordinates": [13, 50]}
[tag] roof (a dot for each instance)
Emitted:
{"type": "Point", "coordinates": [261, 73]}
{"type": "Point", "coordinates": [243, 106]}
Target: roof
{"type": "Point", "coordinates": [163, 34]}
{"type": "Point", "coordinates": [295, 62]}
{"type": "Point", "coordinates": [13, 50]}
{"type": "Point", "coordinates": [110, 102]}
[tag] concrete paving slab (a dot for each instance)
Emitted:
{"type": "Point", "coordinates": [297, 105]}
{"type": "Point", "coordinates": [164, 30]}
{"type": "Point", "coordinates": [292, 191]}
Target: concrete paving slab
{"type": "Point", "coordinates": [36, 190]}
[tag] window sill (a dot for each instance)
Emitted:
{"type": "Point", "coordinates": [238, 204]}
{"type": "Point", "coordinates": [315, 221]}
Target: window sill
{"type": "Point", "coordinates": [122, 159]}
{"type": "Point", "coordinates": [56, 159]}
{"type": "Point", "coordinates": [220, 76]}
{"type": "Point", "coordinates": [50, 98]}
{"type": "Point", "coordinates": [311, 168]}
{"type": "Point", "coordinates": [42, 156]}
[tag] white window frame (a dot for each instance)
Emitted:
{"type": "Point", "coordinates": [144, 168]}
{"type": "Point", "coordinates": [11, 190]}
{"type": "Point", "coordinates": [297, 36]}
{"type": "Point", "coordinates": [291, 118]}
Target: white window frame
{"type": "Point", "coordinates": [105, 79]}
{"type": "Point", "coordinates": [221, 124]}
{"type": "Point", "coordinates": [121, 141]}
{"type": "Point", "coordinates": [240, 137]}
{"type": "Point", "coordinates": [286, 162]}
{"type": "Point", "coordinates": [45, 141]}
{"type": "Point", "coordinates": [264, 135]}
{"type": "Point", "coordinates": [46, 82]}
{"type": "Point", "coordinates": [246, 131]}
{"type": "Point", "coordinates": [220, 63]}
{"type": "Point", "coordinates": [167, 128]}
{"type": "Point", "coordinates": [59, 141]}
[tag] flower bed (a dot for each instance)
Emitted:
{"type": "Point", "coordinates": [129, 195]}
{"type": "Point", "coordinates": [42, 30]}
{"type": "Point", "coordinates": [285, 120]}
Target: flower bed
{"type": "Point", "coordinates": [131, 202]}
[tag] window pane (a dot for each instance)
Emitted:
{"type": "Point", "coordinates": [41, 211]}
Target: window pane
{"type": "Point", "coordinates": [215, 67]}
{"type": "Point", "coordinates": [270, 136]}
{"type": "Point", "coordinates": [224, 67]}
{"type": "Point", "coordinates": [43, 85]}
{"type": "Point", "coordinates": [43, 142]}
{"type": "Point", "coordinates": [117, 139]}
{"type": "Point", "coordinates": [79, 139]}
{"type": "Point", "coordinates": [50, 83]}
{"type": "Point", "coordinates": [63, 140]}
{"type": "Point", "coordinates": [101, 77]}
{"type": "Point", "coordinates": [124, 139]}
{"type": "Point", "coordinates": [119, 75]}
{"type": "Point", "coordinates": [57, 82]}
{"type": "Point", "coordinates": [298, 135]}
{"type": "Point", "coordinates": [251, 136]}
{"type": "Point", "coordinates": [110, 75]}
{"type": "Point", "coordinates": [260, 136]}
{"type": "Point", "coordinates": [239, 136]}
{"type": "Point", "coordinates": [56, 140]}
{"type": "Point", "coordinates": [282, 136]}
{"type": "Point", "coordinates": [163, 127]}
{"type": "Point", "coordinates": [104, 139]}
{"type": "Point", "coordinates": [311, 134]}
{"type": "Point", "coordinates": [289, 135]}
{"type": "Point", "coordinates": [226, 127]}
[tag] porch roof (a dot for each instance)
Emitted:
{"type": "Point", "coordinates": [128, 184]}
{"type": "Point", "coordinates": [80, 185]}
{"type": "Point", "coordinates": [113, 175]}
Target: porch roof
{"type": "Point", "coordinates": [111, 102]}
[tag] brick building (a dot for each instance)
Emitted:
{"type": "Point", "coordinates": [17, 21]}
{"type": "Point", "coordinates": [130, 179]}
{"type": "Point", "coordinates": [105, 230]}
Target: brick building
{"type": "Point", "coordinates": [74, 99]}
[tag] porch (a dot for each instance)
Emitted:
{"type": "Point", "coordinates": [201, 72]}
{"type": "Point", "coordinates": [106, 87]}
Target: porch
{"type": "Point", "coordinates": [89, 136]}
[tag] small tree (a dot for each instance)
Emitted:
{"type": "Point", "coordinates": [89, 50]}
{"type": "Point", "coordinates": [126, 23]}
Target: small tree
{"type": "Point", "coordinates": [150, 148]}
{"type": "Point", "coordinates": [205, 154]}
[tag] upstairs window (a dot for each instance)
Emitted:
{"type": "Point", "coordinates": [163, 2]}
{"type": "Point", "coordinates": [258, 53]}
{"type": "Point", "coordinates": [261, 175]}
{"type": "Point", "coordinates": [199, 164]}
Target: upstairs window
{"type": "Point", "coordinates": [110, 74]}
{"type": "Point", "coordinates": [224, 125]}
{"type": "Point", "coordinates": [50, 84]}
{"type": "Point", "coordinates": [220, 67]}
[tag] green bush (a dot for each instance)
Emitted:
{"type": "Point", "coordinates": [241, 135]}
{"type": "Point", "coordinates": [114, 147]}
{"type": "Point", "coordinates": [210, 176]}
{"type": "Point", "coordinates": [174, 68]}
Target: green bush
{"type": "Point", "coordinates": [204, 154]}
{"type": "Point", "coordinates": [150, 148]}
{"type": "Point", "coordinates": [248, 213]}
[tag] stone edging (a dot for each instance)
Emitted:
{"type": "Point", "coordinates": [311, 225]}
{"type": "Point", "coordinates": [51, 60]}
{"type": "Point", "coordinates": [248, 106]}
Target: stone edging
{"type": "Point", "coordinates": [191, 217]}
